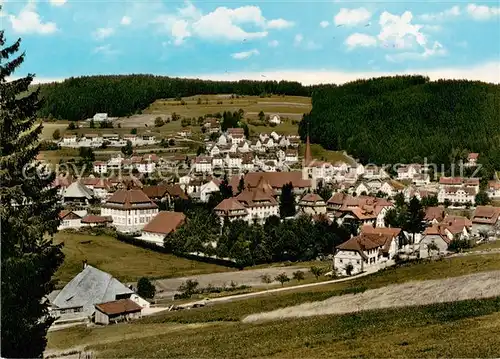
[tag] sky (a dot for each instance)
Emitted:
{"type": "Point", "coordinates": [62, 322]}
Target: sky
{"type": "Point", "coordinates": [330, 41]}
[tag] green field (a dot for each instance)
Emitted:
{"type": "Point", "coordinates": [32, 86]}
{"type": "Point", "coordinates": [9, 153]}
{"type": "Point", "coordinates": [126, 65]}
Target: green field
{"type": "Point", "coordinates": [124, 261]}
{"type": "Point", "coordinates": [424, 270]}
{"type": "Point", "coordinates": [460, 329]}
{"type": "Point", "coordinates": [285, 106]}
{"type": "Point", "coordinates": [487, 246]}
{"type": "Point", "coordinates": [471, 328]}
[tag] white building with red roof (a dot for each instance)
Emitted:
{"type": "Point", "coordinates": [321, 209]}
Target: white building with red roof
{"type": "Point", "coordinates": [162, 225]}
{"type": "Point", "coordinates": [130, 210]}
{"type": "Point", "coordinates": [472, 159]}
{"type": "Point", "coordinates": [312, 204]}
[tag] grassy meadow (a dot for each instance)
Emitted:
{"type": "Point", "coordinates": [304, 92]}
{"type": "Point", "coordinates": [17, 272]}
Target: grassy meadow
{"type": "Point", "coordinates": [460, 329]}
{"type": "Point", "coordinates": [124, 261]}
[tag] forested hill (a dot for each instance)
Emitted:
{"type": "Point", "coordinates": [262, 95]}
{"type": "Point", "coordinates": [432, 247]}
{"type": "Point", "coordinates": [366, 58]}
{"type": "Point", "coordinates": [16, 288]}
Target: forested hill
{"type": "Point", "coordinates": [406, 118]}
{"type": "Point", "coordinates": [81, 97]}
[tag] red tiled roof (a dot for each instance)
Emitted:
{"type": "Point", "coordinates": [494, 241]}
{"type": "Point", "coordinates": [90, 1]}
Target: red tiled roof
{"type": "Point", "coordinates": [165, 222]}
{"type": "Point", "coordinates": [121, 306]}
{"type": "Point", "coordinates": [229, 205]}
{"type": "Point", "coordinates": [129, 199]}
{"type": "Point", "coordinates": [451, 180]}
{"type": "Point", "coordinates": [312, 197]}
{"type": "Point", "coordinates": [436, 213]}
{"type": "Point", "coordinates": [486, 215]}
{"type": "Point", "coordinates": [96, 219]}
{"type": "Point", "coordinates": [275, 179]}
{"type": "Point", "coordinates": [473, 156]}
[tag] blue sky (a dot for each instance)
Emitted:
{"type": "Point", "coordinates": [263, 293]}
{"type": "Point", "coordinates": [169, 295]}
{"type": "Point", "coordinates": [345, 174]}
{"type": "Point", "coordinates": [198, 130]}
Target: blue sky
{"type": "Point", "coordinates": [312, 42]}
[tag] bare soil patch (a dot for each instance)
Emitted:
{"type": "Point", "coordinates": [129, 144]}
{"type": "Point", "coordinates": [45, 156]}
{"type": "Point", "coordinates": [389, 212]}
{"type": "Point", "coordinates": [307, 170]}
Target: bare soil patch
{"type": "Point", "coordinates": [473, 286]}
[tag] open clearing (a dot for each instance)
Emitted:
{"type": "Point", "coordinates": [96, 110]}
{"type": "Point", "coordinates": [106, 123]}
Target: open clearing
{"type": "Point", "coordinates": [473, 286]}
{"type": "Point", "coordinates": [124, 261]}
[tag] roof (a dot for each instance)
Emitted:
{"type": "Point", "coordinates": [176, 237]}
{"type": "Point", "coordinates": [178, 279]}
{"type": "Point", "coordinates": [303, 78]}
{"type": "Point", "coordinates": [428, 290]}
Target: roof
{"type": "Point", "coordinates": [486, 215]}
{"type": "Point", "coordinates": [78, 190]}
{"type": "Point", "coordinates": [307, 154]}
{"type": "Point", "coordinates": [129, 199]}
{"type": "Point", "coordinates": [69, 214]}
{"type": "Point", "coordinates": [473, 156]}
{"type": "Point", "coordinates": [165, 222]}
{"type": "Point", "coordinates": [275, 179]}
{"type": "Point", "coordinates": [96, 219]}
{"type": "Point", "coordinates": [89, 287]}
{"type": "Point", "coordinates": [436, 213]}
{"type": "Point", "coordinates": [312, 197]}
{"type": "Point", "coordinates": [451, 180]}
{"type": "Point", "coordinates": [256, 197]}
{"type": "Point", "coordinates": [121, 306]}
{"type": "Point", "coordinates": [229, 204]}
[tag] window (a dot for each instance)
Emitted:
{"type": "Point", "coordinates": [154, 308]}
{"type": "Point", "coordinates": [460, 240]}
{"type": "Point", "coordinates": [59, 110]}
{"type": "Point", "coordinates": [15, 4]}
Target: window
{"type": "Point", "coordinates": [357, 262]}
{"type": "Point", "coordinates": [340, 260]}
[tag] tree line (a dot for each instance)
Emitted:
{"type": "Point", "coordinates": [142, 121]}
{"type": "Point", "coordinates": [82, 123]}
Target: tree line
{"type": "Point", "coordinates": [277, 240]}
{"type": "Point", "coordinates": [78, 98]}
{"type": "Point", "coordinates": [405, 119]}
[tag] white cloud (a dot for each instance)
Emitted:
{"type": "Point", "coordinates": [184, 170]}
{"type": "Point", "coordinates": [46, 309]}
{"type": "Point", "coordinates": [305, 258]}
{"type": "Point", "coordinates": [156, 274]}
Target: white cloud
{"type": "Point", "coordinates": [245, 54]}
{"type": "Point", "coordinates": [480, 72]}
{"type": "Point", "coordinates": [436, 50]}
{"type": "Point", "coordinates": [279, 24]}
{"type": "Point", "coordinates": [443, 15]}
{"type": "Point", "coordinates": [361, 40]}
{"type": "Point", "coordinates": [298, 39]}
{"type": "Point", "coordinates": [324, 24]}
{"type": "Point", "coordinates": [311, 45]}
{"type": "Point", "coordinates": [29, 22]}
{"type": "Point", "coordinates": [222, 24]}
{"type": "Point", "coordinates": [273, 43]}
{"type": "Point", "coordinates": [352, 17]}
{"type": "Point", "coordinates": [482, 12]}
{"type": "Point", "coordinates": [400, 31]}
{"type": "Point", "coordinates": [126, 20]}
{"type": "Point", "coordinates": [180, 31]}
{"type": "Point", "coordinates": [103, 32]}
{"type": "Point", "coordinates": [105, 50]}
{"type": "Point", "coordinates": [57, 2]}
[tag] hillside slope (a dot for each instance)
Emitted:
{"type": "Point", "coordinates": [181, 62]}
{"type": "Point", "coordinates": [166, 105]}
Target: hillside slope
{"type": "Point", "coordinates": [120, 95]}
{"type": "Point", "coordinates": [407, 118]}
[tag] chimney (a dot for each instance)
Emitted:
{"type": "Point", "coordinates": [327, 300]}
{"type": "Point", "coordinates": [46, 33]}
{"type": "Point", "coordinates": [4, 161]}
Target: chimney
{"type": "Point", "coordinates": [84, 264]}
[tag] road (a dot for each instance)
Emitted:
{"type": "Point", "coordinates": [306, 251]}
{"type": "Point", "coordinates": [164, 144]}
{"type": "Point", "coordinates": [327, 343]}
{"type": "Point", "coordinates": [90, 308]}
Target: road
{"type": "Point", "coordinates": [253, 277]}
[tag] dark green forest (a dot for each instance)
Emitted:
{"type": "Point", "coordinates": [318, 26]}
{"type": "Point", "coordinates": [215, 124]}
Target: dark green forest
{"type": "Point", "coordinates": [79, 98]}
{"type": "Point", "coordinates": [407, 118]}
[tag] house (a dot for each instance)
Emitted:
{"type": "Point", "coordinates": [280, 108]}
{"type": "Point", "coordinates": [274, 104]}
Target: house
{"type": "Point", "coordinates": [275, 119]}
{"type": "Point", "coordinates": [203, 164]}
{"type": "Point", "coordinates": [214, 151]}
{"type": "Point", "coordinates": [365, 252]}
{"type": "Point", "coordinates": [472, 159]}
{"type": "Point", "coordinates": [208, 188]}
{"type": "Point", "coordinates": [259, 202]}
{"type": "Point", "coordinates": [233, 160]}
{"type": "Point", "coordinates": [132, 138]}
{"type": "Point", "coordinates": [211, 125]}
{"type": "Point", "coordinates": [230, 209]}
{"type": "Point", "coordinates": [100, 117]}
{"type": "Point", "coordinates": [408, 172]}
{"type": "Point", "coordinates": [117, 311]}
{"type": "Point", "coordinates": [275, 180]}
{"type": "Point", "coordinates": [362, 189]}
{"type": "Point", "coordinates": [185, 132]}
{"type": "Point", "coordinates": [486, 220]}
{"type": "Point", "coordinates": [312, 204]}
{"type": "Point", "coordinates": [284, 142]}
{"type": "Point", "coordinates": [111, 137]}
{"type": "Point", "coordinates": [166, 193]}
{"type": "Point", "coordinates": [222, 140]}
{"type": "Point", "coordinates": [69, 140]}
{"type": "Point", "coordinates": [263, 137]}
{"type": "Point", "coordinates": [91, 220]}
{"type": "Point", "coordinates": [100, 167]}
{"type": "Point", "coordinates": [291, 156]}
{"type": "Point", "coordinates": [434, 215]}
{"type": "Point", "coordinates": [493, 189]}
{"type": "Point", "coordinates": [148, 139]}
{"type": "Point", "coordinates": [91, 286]}
{"type": "Point", "coordinates": [161, 225]}
{"type": "Point", "coordinates": [130, 210]}
{"type": "Point", "coordinates": [77, 193]}
{"type": "Point", "coordinates": [217, 162]}
{"type": "Point", "coordinates": [275, 136]}
{"type": "Point", "coordinates": [457, 195]}
{"type": "Point", "coordinates": [269, 143]}
{"type": "Point", "coordinates": [115, 163]}
{"type": "Point", "coordinates": [360, 210]}
{"type": "Point", "coordinates": [243, 147]}
{"type": "Point", "coordinates": [70, 219]}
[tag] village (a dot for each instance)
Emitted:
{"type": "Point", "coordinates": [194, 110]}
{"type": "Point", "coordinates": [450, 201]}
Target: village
{"type": "Point", "coordinates": [136, 195]}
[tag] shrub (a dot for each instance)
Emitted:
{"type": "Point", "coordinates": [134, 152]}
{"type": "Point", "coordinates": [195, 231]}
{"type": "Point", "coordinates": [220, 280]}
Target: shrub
{"type": "Point", "coordinates": [145, 288]}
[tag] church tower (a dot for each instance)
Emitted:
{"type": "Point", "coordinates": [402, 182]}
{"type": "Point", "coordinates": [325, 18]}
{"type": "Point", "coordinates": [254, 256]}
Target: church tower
{"type": "Point", "coordinates": [307, 165]}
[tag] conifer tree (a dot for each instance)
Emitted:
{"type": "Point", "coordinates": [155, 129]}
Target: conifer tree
{"type": "Point", "coordinates": [29, 216]}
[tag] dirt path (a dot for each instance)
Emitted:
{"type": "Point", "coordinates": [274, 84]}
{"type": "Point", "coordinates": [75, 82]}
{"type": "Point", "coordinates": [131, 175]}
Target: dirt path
{"type": "Point", "coordinates": [479, 285]}
{"type": "Point", "coordinates": [168, 287]}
